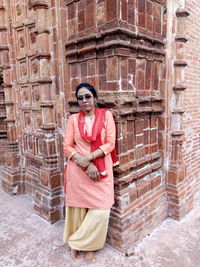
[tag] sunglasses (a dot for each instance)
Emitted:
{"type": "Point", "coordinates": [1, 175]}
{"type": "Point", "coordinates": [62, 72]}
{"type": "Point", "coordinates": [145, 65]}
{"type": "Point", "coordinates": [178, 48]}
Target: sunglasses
{"type": "Point", "coordinates": [86, 97]}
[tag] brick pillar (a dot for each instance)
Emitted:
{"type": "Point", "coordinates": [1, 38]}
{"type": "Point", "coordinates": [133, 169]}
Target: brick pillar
{"type": "Point", "coordinates": [30, 95]}
{"type": "Point", "coordinates": [118, 47]}
{"type": "Point", "coordinates": [3, 126]}
{"type": "Point", "coordinates": [3, 61]}
{"type": "Point", "coordinates": [48, 193]}
{"type": "Point", "coordinates": [180, 196]}
{"type": "Point", "coordinates": [12, 181]}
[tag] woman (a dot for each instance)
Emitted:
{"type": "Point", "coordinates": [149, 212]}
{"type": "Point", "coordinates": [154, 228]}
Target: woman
{"type": "Point", "coordinates": [89, 145]}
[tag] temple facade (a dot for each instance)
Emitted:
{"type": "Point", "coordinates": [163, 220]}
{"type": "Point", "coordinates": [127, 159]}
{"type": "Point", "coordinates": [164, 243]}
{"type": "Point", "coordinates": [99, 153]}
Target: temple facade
{"type": "Point", "coordinates": [142, 56]}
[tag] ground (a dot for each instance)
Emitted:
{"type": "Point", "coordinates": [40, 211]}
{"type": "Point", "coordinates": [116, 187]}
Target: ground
{"type": "Point", "coordinates": [28, 240]}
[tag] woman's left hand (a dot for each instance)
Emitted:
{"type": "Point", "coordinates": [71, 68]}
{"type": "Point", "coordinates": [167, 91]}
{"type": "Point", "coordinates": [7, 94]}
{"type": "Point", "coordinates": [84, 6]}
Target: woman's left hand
{"type": "Point", "coordinates": [93, 172]}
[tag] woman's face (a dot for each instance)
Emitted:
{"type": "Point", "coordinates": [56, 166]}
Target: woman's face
{"type": "Point", "coordinates": [85, 99]}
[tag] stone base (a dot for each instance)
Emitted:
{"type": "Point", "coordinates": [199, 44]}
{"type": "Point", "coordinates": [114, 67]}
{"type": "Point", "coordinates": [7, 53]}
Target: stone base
{"type": "Point", "coordinates": [180, 200]}
{"type": "Point", "coordinates": [49, 203]}
{"type": "Point", "coordinates": [3, 145]}
{"type": "Point", "coordinates": [129, 227]}
{"type": "Point", "coordinates": [12, 181]}
{"type": "Point", "coordinates": [180, 194]}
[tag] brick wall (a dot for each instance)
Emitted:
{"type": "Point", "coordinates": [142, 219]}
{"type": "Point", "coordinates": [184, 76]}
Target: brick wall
{"type": "Point", "coordinates": [31, 58]}
{"type": "Point", "coordinates": [119, 48]}
{"type": "Point", "coordinates": [182, 107]}
{"type": "Point", "coordinates": [191, 118]}
{"type": "Point", "coordinates": [143, 61]}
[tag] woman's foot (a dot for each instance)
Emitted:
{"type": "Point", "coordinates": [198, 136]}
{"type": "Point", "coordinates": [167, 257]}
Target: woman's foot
{"type": "Point", "coordinates": [74, 254]}
{"type": "Point", "coordinates": [89, 257]}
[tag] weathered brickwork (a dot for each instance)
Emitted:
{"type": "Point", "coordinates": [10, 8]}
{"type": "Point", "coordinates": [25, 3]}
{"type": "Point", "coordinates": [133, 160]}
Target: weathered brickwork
{"type": "Point", "coordinates": [183, 174]}
{"type": "Point", "coordinates": [140, 56]}
{"type": "Point", "coordinates": [120, 50]}
{"type": "Point", "coordinates": [3, 127]}
{"type": "Point", "coordinates": [191, 122]}
{"type": "Point", "coordinates": [31, 92]}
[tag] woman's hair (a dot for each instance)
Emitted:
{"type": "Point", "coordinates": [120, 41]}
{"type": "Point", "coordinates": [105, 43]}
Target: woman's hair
{"type": "Point", "coordinates": [88, 86]}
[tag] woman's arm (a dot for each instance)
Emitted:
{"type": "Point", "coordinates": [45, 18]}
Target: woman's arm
{"type": "Point", "coordinates": [69, 151]}
{"type": "Point", "coordinates": [82, 161]}
{"type": "Point", "coordinates": [86, 160]}
{"type": "Point", "coordinates": [110, 133]}
{"type": "Point", "coordinates": [110, 136]}
{"type": "Point", "coordinates": [104, 149]}
{"type": "Point", "coordinates": [69, 144]}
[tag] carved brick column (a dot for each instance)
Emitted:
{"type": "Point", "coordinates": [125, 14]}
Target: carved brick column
{"type": "Point", "coordinates": [3, 126]}
{"type": "Point", "coordinates": [118, 47]}
{"type": "Point", "coordinates": [29, 85]}
{"type": "Point", "coordinates": [179, 197]}
{"type": "Point", "coordinates": [11, 181]}
{"type": "Point", "coordinates": [48, 194]}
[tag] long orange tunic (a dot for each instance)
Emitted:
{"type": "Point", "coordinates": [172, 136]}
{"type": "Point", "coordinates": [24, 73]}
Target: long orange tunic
{"type": "Point", "coordinates": [81, 191]}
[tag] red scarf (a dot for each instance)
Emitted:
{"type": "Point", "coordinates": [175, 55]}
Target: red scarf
{"type": "Point", "coordinates": [95, 139]}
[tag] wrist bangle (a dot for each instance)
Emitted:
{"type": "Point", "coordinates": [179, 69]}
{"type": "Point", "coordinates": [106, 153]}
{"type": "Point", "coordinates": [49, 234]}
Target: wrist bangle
{"type": "Point", "coordinates": [93, 157]}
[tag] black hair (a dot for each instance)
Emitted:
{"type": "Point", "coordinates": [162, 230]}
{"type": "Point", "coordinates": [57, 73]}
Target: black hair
{"type": "Point", "coordinates": [88, 86]}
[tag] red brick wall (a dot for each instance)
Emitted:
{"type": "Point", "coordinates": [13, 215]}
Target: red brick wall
{"type": "Point", "coordinates": [48, 47]}
{"type": "Point", "coordinates": [120, 50]}
{"type": "Point", "coordinates": [191, 118]}
{"type": "Point", "coordinates": [32, 63]}
{"type": "Point", "coordinates": [182, 107]}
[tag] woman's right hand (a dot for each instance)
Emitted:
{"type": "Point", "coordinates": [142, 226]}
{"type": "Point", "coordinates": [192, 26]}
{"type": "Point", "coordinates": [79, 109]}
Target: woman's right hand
{"type": "Point", "coordinates": [93, 172]}
{"type": "Point", "coordinates": [82, 161]}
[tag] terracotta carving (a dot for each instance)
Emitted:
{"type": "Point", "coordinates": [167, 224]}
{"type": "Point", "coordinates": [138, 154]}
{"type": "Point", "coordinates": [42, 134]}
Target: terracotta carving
{"type": "Point", "coordinates": [28, 119]}
{"type": "Point", "coordinates": [35, 67]}
{"type": "Point", "coordinates": [39, 121]}
{"type": "Point", "coordinates": [37, 95]}
{"type": "Point", "coordinates": [30, 144]}
{"type": "Point", "coordinates": [32, 37]}
{"type": "Point", "coordinates": [21, 42]}
{"type": "Point", "coordinates": [24, 70]}
{"type": "Point", "coordinates": [29, 5]}
{"type": "Point", "coordinates": [18, 10]}
{"type": "Point", "coordinates": [25, 95]}
{"type": "Point", "coordinates": [36, 3]}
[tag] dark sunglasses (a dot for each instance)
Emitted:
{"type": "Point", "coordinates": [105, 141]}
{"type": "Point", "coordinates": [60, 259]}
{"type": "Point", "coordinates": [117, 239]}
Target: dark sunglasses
{"type": "Point", "coordinates": [81, 97]}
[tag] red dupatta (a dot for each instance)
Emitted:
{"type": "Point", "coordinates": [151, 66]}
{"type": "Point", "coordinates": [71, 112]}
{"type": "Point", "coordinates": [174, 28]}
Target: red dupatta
{"type": "Point", "coordinates": [95, 139]}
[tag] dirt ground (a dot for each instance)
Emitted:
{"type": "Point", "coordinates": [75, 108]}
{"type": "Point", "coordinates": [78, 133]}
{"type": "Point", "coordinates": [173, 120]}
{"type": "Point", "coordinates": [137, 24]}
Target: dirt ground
{"type": "Point", "coordinates": [28, 240]}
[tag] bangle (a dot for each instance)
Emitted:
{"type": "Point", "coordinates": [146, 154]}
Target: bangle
{"type": "Point", "coordinates": [93, 157]}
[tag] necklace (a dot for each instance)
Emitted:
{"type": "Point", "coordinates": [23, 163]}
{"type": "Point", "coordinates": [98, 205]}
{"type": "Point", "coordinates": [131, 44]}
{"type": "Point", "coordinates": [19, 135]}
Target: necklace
{"type": "Point", "coordinates": [89, 118]}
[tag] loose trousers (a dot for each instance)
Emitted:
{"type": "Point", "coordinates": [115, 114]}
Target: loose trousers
{"type": "Point", "coordinates": [86, 229]}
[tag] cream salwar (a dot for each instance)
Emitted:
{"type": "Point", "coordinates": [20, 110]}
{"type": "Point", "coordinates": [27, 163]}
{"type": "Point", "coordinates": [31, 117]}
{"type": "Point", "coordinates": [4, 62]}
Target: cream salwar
{"type": "Point", "coordinates": [86, 229]}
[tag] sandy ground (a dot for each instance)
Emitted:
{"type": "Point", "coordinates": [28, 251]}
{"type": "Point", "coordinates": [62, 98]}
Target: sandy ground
{"type": "Point", "coordinates": [28, 240]}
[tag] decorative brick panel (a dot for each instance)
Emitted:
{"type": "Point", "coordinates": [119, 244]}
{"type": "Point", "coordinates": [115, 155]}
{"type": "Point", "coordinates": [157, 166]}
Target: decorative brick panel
{"type": "Point", "coordinates": [30, 109]}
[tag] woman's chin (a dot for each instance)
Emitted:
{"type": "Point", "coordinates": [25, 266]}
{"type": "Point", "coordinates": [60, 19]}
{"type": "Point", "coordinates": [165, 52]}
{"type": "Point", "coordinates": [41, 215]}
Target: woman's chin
{"type": "Point", "coordinates": [88, 108]}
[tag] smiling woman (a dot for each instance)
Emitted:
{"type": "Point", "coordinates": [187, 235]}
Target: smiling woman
{"type": "Point", "coordinates": [89, 146]}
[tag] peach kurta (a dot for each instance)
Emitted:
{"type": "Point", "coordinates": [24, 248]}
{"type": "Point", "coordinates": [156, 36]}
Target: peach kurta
{"type": "Point", "coordinates": [81, 191]}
